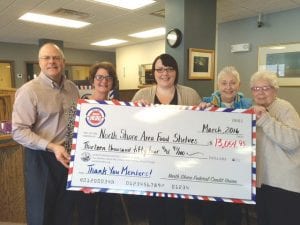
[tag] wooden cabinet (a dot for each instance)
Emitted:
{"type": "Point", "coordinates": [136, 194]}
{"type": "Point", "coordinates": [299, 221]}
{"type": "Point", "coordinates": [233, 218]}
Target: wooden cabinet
{"type": "Point", "coordinates": [127, 95]}
{"type": "Point", "coordinates": [12, 194]}
{"type": "Point", "coordinates": [7, 97]}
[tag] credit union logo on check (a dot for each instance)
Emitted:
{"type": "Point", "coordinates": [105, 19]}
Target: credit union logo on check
{"type": "Point", "coordinates": [95, 117]}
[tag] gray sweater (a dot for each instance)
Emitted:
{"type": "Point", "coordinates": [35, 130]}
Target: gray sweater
{"type": "Point", "coordinates": [278, 147]}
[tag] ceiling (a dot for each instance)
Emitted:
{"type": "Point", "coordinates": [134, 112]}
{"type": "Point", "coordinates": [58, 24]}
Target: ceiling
{"type": "Point", "coordinates": [109, 22]}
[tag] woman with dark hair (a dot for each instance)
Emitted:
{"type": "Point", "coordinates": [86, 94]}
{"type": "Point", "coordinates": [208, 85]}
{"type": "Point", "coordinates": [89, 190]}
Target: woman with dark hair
{"type": "Point", "coordinates": [166, 90]}
{"type": "Point", "coordinates": [166, 211]}
{"type": "Point", "coordinates": [104, 80]}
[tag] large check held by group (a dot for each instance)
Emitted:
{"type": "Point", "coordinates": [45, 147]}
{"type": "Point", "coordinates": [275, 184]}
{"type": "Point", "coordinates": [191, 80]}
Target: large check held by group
{"type": "Point", "coordinates": [163, 150]}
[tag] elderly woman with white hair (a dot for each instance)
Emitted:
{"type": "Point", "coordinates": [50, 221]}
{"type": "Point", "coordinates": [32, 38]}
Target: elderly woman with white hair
{"type": "Point", "coordinates": [278, 153]}
{"type": "Point", "coordinates": [227, 96]}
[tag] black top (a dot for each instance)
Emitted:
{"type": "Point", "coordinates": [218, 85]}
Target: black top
{"type": "Point", "coordinates": [173, 102]}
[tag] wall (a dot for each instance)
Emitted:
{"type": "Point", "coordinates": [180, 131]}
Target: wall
{"type": "Point", "coordinates": [279, 27]}
{"type": "Point", "coordinates": [20, 53]}
{"type": "Point", "coordinates": [197, 20]}
{"type": "Point", "coordinates": [130, 57]}
{"type": "Point", "coordinates": [282, 27]}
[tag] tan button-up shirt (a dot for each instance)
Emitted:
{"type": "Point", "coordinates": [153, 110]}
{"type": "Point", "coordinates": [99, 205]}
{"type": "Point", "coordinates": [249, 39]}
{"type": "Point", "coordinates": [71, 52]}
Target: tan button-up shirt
{"type": "Point", "coordinates": [40, 112]}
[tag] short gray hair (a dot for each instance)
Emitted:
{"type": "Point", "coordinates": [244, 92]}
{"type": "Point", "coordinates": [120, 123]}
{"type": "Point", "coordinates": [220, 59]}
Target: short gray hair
{"type": "Point", "coordinates": [55, 46]}
{"type": "Point", "coordinates": [265, 75]}
{"type": "Point", "coordinates": [229, 70]}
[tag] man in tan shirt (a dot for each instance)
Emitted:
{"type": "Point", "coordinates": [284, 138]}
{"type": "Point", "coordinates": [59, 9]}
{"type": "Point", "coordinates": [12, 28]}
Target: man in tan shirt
{"type": "Point", "coordinates": [39, 123]}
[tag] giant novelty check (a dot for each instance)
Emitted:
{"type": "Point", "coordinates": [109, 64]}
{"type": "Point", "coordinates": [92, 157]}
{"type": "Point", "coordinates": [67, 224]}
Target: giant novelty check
{"type": "Point", "coordinates": [164, 150]}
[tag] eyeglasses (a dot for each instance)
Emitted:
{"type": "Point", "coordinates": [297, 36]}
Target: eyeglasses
{"type": "Point", "coordinates": [264, 88]}
{"type": "Point", "coordinates": [230, 84]}
{"type": "Point", "coordinates": [167, 69]}
{"type": "Point", "coordinates": [102, 77]}
{"type": "Point", "coordinates": [48, 58]}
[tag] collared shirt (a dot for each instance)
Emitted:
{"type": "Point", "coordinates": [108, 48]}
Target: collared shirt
{"type": "Point", "coordinates": [40, 112]}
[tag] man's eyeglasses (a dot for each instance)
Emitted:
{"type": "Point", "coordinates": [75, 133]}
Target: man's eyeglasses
{"type": "Point", "coordinates": [264, 88]}
{"type": "Point", "coordinates": [167, 69]}
{"type": "Point", "coordinates": [102, 77]}
{"type": "Point", "coordinates": [48, 58]}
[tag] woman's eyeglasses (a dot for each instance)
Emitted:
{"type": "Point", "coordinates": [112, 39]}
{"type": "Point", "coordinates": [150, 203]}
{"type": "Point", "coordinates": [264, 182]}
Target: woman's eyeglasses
{"type": "Point", "coordinates": [167, 69]}
{"type": "Point", "coordinates": [103, 77]}
{"type": "Point", "coordinates": [263, 88]}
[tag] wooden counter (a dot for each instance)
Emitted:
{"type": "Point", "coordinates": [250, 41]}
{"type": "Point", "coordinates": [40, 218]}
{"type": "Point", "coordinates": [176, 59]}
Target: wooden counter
{"type": "Point", "coordinates": [7, 141]}
{"type": "Point", "coordinates": [127, 95]}
{"type": "Point", "coordinates": [12, 194]}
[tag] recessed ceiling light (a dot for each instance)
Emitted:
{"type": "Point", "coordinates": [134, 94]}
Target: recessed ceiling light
{"type": "Point", "coordinates": [127, 4]}
{"type": "Point", "coordinates": [52, 20]}
{"type": "Point", "coordinates": [150, 33]}
{"type": "Point", "coordinates": [109, 42]}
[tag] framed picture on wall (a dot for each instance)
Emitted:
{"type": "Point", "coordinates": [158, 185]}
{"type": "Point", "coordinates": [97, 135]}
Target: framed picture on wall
{"type": "Point", "coordinates": [201, 64]}
{"type": "Point", "coordinates": [282, 59]}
